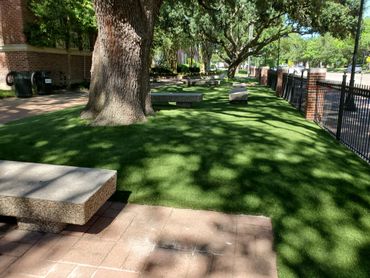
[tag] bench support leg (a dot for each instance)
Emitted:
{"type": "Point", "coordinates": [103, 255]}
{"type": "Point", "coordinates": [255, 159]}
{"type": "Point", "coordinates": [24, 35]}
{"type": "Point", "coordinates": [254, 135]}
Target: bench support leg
{"type": "Point", "coordinates": [40, 226]}
{"type": "Point", "coordinates": [184, 104]}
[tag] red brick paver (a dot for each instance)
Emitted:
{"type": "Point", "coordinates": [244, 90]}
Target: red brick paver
{"type": "Point", "coordinates": [16, 108]}
{"type": "Point", "coordinates": [144, 241]}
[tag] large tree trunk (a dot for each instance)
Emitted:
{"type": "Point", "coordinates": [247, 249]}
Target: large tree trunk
{"type": "Point", "coordinates": [207, 51]}
{"type": "Point", "coordinates": [170, 56]}
{"type": "Point", "coordinates": [173, 59]}
{"type": "Point", "coordinates": [232, 69]}
{"type": "Point", "coordinates": [119, 92]}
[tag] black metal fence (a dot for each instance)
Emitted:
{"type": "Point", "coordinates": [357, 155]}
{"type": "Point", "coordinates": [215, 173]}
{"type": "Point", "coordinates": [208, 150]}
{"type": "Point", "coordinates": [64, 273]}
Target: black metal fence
{"type": "Point", "coordinates": [295, 90]}
{"type": "Point", "coordinates": [272, 79]}
{"type": "Point", "coordinates": [344, 111]}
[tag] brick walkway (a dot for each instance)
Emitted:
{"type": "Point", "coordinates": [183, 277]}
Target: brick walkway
{"type": "Point", "coordinates": [16, 108]}
{"type": "Point", "coordinates": [144, 241]}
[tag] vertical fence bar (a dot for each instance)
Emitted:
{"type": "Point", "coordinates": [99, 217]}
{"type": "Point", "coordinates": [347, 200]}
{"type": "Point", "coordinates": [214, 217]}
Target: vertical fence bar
{"type": "Point", "coordinates": [301, 94]}
{"type": "Point", "coordinates": [291, 96]}
{"type": "Point", "coordinates": [341, 106]}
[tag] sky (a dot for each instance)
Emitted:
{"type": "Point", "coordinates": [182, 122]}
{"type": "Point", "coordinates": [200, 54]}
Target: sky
{"type": "Point", "coordinates": [367, 8]}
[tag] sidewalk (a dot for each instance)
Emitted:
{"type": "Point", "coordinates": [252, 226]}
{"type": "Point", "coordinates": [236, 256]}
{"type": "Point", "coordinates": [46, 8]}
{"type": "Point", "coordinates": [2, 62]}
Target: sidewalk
{"type": "Point", "coordinates": [144, 241]}
{"type": "Point", "coordinates": [16, 108]}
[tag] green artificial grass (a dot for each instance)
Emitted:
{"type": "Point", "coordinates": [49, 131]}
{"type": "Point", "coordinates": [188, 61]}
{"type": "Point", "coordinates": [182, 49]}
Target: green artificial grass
{"type": "Point", "coordinates": [261, 158]}
{"type": "Point", "coordinates": [6, 94]}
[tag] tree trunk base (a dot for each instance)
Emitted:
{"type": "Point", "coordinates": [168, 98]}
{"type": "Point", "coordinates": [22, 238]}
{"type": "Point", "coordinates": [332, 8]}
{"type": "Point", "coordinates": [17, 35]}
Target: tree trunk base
{"type": "Point", "coordinates": [117, 116]}
{"type": "Point", "coordinates": [87, 115]}
{"type": "Point", "coordinates": [105, 121]}
{"type": "Point", "coordinates": [120, 90]}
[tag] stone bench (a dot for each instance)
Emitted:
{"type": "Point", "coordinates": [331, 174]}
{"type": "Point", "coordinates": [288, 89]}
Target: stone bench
{"type": "Point", "coordinates": [239, 85]}
{"type": "Point", "coordinates": [181, 99]}
{"type": "Point", "coordinates": [203, 82]}
{"type": "Point", "coordinates": [46, 197]}
{"type": "Point", "coordinates": [238, 95]}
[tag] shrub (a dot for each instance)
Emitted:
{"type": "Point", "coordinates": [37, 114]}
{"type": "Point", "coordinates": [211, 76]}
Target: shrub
{"type": "Point", "coordinates": [161, 71]}
{"type": "Point", "coordinates": [194, 70]}
{"type": "Point", "coordinates": [182, 68]}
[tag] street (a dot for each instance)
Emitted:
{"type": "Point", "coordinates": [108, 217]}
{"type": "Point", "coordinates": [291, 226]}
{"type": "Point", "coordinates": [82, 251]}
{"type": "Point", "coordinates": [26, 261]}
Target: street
{"type": "Point", "coordinates": [360, 79]}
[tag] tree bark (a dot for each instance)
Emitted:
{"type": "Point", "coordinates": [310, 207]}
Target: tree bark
{"type": "Point", "coordinates": [119, 91]}
{"type": "Point", "coordinates": [173, 59]}
{"type": "Point", "coordinates": [232, 69]}
{"type": "Point", "coordinates": [207, 51]}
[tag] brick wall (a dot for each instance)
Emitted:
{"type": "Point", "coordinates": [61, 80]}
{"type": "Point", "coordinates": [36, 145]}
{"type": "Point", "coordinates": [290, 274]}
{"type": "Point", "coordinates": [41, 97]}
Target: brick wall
{"type": "Point", "coordinates": [56, 63]}
{"type": "Point", "coordinates": [13, 14]}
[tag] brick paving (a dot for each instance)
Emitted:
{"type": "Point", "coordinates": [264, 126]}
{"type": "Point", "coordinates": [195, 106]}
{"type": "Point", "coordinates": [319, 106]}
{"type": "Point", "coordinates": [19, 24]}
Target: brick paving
{"type": "Point", "coordinates": [16, 108]}
{"type": "Point", "coordinates": [127, 240]}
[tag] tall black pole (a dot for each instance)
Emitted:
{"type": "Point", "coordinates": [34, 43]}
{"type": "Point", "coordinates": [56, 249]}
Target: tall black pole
{"type": "Point", "coordinates": [278, 57]}
{"type": "Point", "coordinates": [350, 102]}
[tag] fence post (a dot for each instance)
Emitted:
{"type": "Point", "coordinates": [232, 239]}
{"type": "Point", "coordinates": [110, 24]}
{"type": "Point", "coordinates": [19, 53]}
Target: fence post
{"type": "Point", "coordinates": [300, 90]}
{"type": "Point", "coordinates": [313, 92]}
{"type": "Point", "coordinates": [291, 96]}
{"type": "Point", "coordinates": [285, 85]}
{"type": "Point", "coordinates": [341, 106]}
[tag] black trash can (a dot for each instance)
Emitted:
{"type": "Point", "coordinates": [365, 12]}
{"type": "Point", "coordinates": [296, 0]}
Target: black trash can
{"type": "Point", "coordinates": [22, 83]}
{"type": "Point", "coordinates": [43, 82]}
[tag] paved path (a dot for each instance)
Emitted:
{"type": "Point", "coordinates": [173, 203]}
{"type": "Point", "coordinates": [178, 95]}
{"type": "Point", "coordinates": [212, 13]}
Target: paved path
{"type": "Point", "coordinates": [16, 108]}
{"type": "Point", "coordinates": [144, 241]}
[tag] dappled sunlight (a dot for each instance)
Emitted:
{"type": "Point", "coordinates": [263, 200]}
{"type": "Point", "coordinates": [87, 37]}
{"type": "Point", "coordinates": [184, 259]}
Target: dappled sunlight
{"type": "Point", "coordinates": [260, 158]}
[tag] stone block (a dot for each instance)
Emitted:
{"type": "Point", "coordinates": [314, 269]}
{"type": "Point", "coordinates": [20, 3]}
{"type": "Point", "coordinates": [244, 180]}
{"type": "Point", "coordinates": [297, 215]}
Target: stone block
{"type": "Point", "coordinates": [238, 94]}
{"type": "Point", "coordinates": [45, 197]}
{"type": "Point", "coordinates": [214, 82]}
{"type": "Point", "coordinates": [181, 99]}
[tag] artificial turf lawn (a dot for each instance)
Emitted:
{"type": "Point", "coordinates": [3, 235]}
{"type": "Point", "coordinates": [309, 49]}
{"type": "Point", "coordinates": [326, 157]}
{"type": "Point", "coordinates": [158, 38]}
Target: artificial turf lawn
{"type": "Point", "coordinates": [6, 94]}
{"type": "Point", "coordinates": [263, 158]}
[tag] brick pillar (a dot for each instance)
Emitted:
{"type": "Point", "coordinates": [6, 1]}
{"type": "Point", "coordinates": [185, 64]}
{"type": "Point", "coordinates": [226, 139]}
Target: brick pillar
{"type": "Point", "coordinates": [252, 71]}
{"type": "Point", "coordinates": [264, 75]}
{"type": "Point", "coordinates": [258, 74]}
{"type": "Point", "coordinates": [279, 82]}
{"type": "Point", "coordinates": [314, 93]}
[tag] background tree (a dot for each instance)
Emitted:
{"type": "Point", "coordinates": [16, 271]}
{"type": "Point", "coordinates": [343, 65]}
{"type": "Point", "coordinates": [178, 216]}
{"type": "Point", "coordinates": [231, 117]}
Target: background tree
{"type": "Point", "coordinates": [119, 92]}
{"type": "Point", "coordinates": [176, 30]}
{"type": "Point", "coordinates": [62, 23]}
{"type": "Point", "coordinates": [171, 34]}
{"type": "Point", "coordinates": [226, 23]}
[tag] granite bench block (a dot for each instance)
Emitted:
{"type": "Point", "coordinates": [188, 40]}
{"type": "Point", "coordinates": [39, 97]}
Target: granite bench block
{"type": "Point", "coordinates": [238, 94]}
{"type": "Point", "coordinates": [202, 82]}
{"type": "Point", "coordinates": [44, 193]}
{"type": "Point", "coordinates": [176, 97]}
{"type": "Point", "coordinates": [239, 85]}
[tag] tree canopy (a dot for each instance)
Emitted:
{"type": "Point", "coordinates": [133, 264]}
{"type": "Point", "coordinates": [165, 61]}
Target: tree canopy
{"type": "Point", "coordinates": [63, 23]}
{"type": "Point", "coordinates": [318, 50]}
{"type": "Point", "coordinates": [227, 24]}
{"type": "Point", "coordinates": [236, 29]}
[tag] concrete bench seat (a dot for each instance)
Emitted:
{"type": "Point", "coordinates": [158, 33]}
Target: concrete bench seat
{"type": "Point", "coordinates": [46, 197]}
{"type": "Point", "coordinates": [238, 95]}
{"type": "Point", "coordinates": [181, 99]}
{"type": "Point", "coordinates": [202, 82]}
{"type": "Point", "coordinates": [239, 85]}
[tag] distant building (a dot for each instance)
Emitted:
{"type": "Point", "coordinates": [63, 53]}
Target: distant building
{"type": "Point", "coordinates": [17, 55]}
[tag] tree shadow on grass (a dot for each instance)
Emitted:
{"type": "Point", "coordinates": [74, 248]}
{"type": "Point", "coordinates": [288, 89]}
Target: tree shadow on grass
{"type": "Point", "coordinates": [261, 158]}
